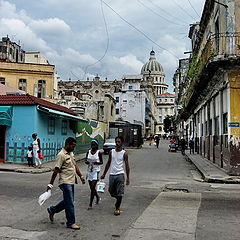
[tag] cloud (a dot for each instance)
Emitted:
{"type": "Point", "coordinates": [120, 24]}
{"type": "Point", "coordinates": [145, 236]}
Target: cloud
{"type": "Point", "coordinates": [132, 62]}
{"type": "Point", "coordinates": [52, 26]}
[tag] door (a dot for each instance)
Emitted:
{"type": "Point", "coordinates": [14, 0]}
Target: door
{"type": "Point", "coordinates": [2, 142]}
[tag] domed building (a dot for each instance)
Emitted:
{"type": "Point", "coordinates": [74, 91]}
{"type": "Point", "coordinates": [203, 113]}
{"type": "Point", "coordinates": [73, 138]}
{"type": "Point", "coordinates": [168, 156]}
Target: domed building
{"type": "Point", "coordinates": [164, 100]}
{"type": "Point", "coordinates": [154, 69]}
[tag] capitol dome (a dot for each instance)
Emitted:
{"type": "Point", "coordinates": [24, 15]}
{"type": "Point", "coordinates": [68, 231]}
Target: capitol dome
{"type": "Point", "coordinates": [153, 65]}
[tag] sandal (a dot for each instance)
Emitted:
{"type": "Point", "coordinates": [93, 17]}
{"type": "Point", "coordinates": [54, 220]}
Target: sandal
{"type": "Point", "coordinates": [117, 212]}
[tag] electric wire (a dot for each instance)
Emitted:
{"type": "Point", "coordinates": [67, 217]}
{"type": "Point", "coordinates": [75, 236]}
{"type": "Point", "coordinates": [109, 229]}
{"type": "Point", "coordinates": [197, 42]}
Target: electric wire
{"type": "Point", "coordinates": [138, 30]}
{"type": "Point", "coordinates": [150, 9]}
{"type": "Point", "coordinates": [166, 12]}
{"type": "Point", "coordinates": [193, 8]}
{"type": "Point", "coordinates": [184, 10]}
{"type": "Point", "coordinates": [107, 45]}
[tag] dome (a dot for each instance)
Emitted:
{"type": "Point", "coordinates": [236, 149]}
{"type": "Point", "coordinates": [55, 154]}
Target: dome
{"type": "Point", "coordinates": [153, 65]}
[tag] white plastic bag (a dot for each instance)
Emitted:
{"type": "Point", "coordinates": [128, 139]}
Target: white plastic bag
{"type": "Point", "coordinates": [42, 198]}
{"type": "Point", "coordinates": [101, 186]}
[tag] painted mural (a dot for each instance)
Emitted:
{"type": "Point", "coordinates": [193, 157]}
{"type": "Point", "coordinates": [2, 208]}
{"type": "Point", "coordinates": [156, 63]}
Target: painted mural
{"type": "Point", "coordinates": [86, 131]}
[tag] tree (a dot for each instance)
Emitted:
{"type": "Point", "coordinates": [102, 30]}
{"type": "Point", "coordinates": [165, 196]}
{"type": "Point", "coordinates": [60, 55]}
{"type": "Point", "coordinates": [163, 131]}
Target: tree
{"type": "Point", "coordinates": [168, 124]}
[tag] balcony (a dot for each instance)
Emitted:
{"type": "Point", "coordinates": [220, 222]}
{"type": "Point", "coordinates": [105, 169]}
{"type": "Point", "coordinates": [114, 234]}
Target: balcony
{"type": "Point", "coordinates": [217, 51]}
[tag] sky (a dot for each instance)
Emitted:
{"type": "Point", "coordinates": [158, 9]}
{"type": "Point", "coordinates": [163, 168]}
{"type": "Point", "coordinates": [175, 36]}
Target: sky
{"type": "Point", "coordinates": [75, 34]}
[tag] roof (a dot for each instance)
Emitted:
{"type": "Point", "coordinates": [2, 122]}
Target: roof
{"type": "Point", "coordinates": [27, 99]}
{"type": "Point", "coordinates": [4, 90]}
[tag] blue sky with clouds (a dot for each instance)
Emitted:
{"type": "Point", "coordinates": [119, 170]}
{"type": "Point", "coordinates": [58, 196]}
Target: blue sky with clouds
{"type": "Point", "coordinates": [72, 33]}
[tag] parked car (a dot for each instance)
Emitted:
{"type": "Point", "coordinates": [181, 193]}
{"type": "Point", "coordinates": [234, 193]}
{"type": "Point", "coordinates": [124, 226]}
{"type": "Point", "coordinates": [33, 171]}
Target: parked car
{"type": "Point", "coordinates": [109, 145]}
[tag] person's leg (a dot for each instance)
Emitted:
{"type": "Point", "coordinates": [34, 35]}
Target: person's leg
{"type": "Point", "coordinates": [68, 197]}
{"type": "Point", "coordinates": [118, 202]}
{"type": "Point", "coordinates": [119, 185]}
{"type": "Point", "coordinates": [91, 194]}
{"type": "Point", "coordinates": [94, 184]}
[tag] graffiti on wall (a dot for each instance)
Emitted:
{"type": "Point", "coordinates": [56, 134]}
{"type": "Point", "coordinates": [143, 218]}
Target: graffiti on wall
{"type": "Point", "coordinates": [86, 131]}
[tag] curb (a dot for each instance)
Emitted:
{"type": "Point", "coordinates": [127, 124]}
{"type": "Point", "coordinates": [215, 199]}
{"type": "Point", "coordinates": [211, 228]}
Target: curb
{"type": "Point", "coordinates": [209, 179]}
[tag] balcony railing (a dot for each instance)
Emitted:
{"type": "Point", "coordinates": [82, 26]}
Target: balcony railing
{"type": "Point", "coordinates": [218, 47]}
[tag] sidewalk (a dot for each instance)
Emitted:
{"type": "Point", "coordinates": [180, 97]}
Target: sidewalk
{"type": "Point", "coordinates": [23, 168]}
{"type": "Point", "coordinates": [211, 172]}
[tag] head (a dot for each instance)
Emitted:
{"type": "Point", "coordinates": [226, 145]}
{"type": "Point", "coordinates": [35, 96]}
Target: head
{"type": "Point", "coordinates": [94, 144]}
{"type": "Point", "coordinates": [70, 144]}
{"type": "Point", "coordinates": [30, 148]}
{"type": "Point", "coordinates": [119, 141]}
{"type": "Point", "coordinates": [34, 135]}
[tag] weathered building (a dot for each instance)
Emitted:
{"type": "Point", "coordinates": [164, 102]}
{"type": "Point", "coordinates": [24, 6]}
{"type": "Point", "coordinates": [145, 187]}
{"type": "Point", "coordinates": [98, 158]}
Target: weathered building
{"type": "Point", "coordinates": [211, 113]}
{"type": "Point", "coordinates": [33, 77]}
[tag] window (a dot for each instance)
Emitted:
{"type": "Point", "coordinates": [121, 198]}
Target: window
{"type": "Point", "coordinates": [160, 129]}
{"type": "Point", "coordinates": [22, 84]}
{"type": "Point", "coordinates": [112, 110]}
{"type": "Point", "coordinates": [124, 101]}
{"type": "Point", "coordinates": [130, 87]}
{"type": "Point", "coordinates": [160, 118]}
{"type": "Point", "coordinates": [36, 56]}
{"type": "Point", "coordinates": [117, 110]}
{"type": "Point", "coordinates": [225, 123]}
{"type": "Point", "coordinates": [51, 126]}
{"type": "Point", "coordinates": [166, 110]}
{"type": "Point", "coordinates": [2, 80]}
{"type": "Point", "coordinates": [64, 127]}
{"type": "Point", "coordinates": [165, 99]}
{"type": "Point", "coordinates": [117, 99]}
{"type": "Point", "coordinates": [41, 89]}
{"type": "Point", "coordinates": [210, 127]}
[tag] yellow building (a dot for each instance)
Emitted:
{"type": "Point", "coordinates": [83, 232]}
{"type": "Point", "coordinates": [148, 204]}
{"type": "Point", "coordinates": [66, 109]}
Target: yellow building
{"type": "Point", "coordinates": [35, 79]}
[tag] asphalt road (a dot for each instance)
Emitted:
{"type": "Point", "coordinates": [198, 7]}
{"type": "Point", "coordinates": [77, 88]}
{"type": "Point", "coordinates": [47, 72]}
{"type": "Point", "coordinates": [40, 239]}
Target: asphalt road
{"type": "Point", "coordinates": [153, 171]}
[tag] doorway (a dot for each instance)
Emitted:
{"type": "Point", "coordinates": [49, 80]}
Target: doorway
{"type": "Point", "coordinates": [2, 142]}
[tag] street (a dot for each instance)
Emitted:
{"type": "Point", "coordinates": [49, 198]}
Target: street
{"type": "Point", "coordinates": [162, 184]}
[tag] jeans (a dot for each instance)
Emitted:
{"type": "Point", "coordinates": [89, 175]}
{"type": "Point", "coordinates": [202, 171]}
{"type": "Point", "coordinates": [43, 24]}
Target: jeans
{"type": "Point", "coordinates": [67, 203]}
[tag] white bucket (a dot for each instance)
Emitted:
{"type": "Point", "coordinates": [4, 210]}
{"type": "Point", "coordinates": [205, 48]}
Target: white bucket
{"type": "Point", "coordinates": [101, 186]}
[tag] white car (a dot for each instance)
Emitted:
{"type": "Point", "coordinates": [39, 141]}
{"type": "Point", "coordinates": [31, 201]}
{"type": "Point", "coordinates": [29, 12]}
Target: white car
{"type": "Point", "coordinates": [109, 145]}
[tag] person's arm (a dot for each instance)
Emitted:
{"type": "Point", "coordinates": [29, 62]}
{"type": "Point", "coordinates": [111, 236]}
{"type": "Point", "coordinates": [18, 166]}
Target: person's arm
{"type": "Point", "coordinates": [80, 174]}
{"type": "Point", "coordinates": [54, 175]}
{"type": "Point", "coordinates": [100, 159]}
{"type": "Point", "coordinates": [107, 165]}
{"type": "Point", "coordinates": [39, 146]}
{"type": "Point", "coordinates": [125, 156]}
{"type": "Point", "coordinates": [86, 161]}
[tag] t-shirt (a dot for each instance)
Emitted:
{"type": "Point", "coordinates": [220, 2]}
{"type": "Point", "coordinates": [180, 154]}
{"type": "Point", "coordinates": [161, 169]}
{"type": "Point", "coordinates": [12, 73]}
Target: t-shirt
{"type": "Point", "coordinates": [66, 163]}
{"type": "Point", "coordinates": [29, 154]}
{"type": "Point", "coordinates": [117, 162]}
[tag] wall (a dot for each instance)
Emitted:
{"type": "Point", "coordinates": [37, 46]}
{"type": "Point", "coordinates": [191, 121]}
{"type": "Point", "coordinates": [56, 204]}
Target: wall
{"type": "Point", "coordinates": [12, 72]}
{"type": "Point", "coordinates": [19, 135]}
{"type": "Point", "coordinates": [86, 131]}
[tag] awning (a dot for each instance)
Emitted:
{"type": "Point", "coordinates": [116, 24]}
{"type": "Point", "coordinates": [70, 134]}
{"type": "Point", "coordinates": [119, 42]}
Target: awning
{"type": "Point", "coordinates": [60, 114]}
{"type": "Point", "coordinates": [6, 115]}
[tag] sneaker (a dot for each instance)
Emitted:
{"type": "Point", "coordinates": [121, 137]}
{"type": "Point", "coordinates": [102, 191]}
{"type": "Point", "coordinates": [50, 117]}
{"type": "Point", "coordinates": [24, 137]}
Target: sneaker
{"type": "Point", "coordinates": [74, 227]}
{"type": "Point", "coordinates": [117, 212]}
{"type": "Point", "coordinates": [50, 214]}
{"type": "Point", "coordinates": [89, 208]}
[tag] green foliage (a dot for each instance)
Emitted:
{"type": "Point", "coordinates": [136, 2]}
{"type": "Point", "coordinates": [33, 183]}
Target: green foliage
{"type": "Point", "coordinates": [168, 123]}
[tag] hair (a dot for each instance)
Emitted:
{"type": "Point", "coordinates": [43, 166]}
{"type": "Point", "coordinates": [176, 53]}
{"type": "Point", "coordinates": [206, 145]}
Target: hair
{"type": "Point", "coordinates": [95, 141]}
{"type": "Point", "coordinates": [34, 135]}
{"type": "Point", "coordinates": [119, 137]}
{"type": "Point", "coordinates": [70, 140]}
{"type": "Point", "coordinates": [30, 147]}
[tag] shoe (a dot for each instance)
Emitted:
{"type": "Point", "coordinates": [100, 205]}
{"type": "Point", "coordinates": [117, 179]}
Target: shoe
{"type": "Point", "coordinates": [89, 208]}
{"type": "Point", "coordinates": [74, 227]}
{"type": "Point", "coordinates": [50, 214]}
{"type": "Point", "coordinates": [97, 202]}
{"type": "Point", "coordinates": [117, 212]}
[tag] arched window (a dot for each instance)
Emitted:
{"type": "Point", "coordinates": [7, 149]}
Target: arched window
{"type": "Point", "coordinates": [160, 129]}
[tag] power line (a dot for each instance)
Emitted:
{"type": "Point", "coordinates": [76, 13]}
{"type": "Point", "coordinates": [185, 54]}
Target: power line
{"type": "Point", "coordinates": [193, 8]}
{"type": "Point", "coordinates": [138, 30]}
{"type": "Point", "coordinates": [184, 10]}
{"type": "Point", "coordinates": [150, 9]}
{"type": "Point", "coordinates": [107, 45]}
{"type": "Point", "coordinates": [166, 12]}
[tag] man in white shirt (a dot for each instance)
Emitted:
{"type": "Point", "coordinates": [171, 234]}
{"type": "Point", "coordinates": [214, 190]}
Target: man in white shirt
{"type": "Point", "coordinates": [115, 162]}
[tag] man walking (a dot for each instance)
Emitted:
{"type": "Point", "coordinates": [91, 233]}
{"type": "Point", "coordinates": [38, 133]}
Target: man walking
{"type": "Point", "coordinates": [183, 145]}
{"type": "Point", "coordinates": [157, 139]}
{"type": "Point", "coordinates": [67, 169]}
{"type": "Point", "coordinates": [116, 159]}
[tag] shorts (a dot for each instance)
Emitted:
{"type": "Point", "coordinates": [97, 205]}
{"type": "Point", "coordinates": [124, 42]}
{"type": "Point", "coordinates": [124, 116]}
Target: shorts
{"type": "Point", "coordinates": [93, 176]}
{"type": "Point", "coordinates": [116, 185]}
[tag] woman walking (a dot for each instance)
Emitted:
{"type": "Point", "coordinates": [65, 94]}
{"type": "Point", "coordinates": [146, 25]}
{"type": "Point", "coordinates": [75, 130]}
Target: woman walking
{"type": "Point", "coordinates": [93, 160]}
{"type": "Point", "coordinates": [36, 150]}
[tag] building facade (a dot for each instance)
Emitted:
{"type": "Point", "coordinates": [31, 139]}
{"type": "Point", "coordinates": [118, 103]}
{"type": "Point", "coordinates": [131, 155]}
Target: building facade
{"type": "Point", "coordinates": [210, 111]}
{"type": "Point", "coordinates": [24, 72]}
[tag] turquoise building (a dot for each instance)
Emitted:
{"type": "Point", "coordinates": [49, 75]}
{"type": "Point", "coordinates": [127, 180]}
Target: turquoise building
{"type": "Point", "coordinates": [23, 115]}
